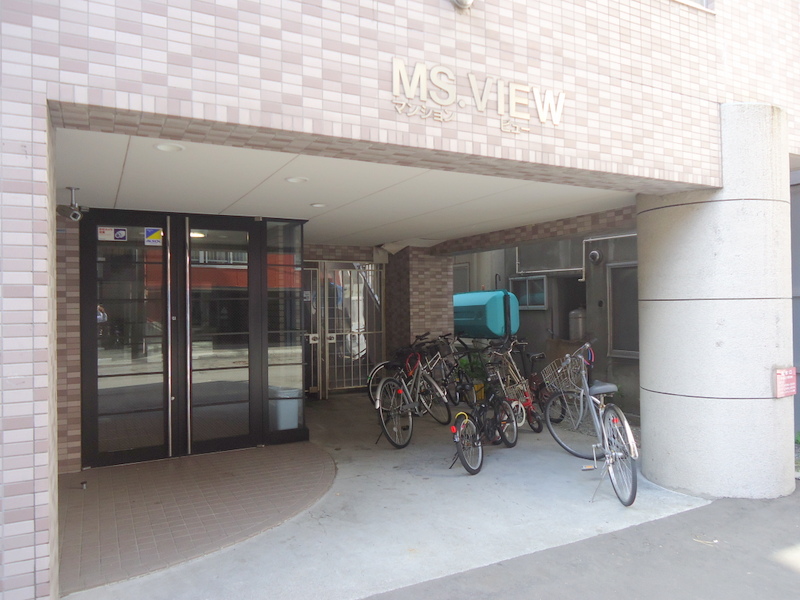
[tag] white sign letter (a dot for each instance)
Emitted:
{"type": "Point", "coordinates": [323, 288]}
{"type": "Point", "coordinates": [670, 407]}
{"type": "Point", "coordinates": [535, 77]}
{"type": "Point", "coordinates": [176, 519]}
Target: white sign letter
{"type": "Point", "coordinates": [501, 97]}
{"type": "Point", "coordinates": [481, 98]}
{"type": "Point", "coordinates": [418, 80]}
{"type": "Point", "coordinates": [549, 105]}
{"type": "Point", "coordinates": [515, 99]}
{"type": "Point", "coordinates": [444, 79]}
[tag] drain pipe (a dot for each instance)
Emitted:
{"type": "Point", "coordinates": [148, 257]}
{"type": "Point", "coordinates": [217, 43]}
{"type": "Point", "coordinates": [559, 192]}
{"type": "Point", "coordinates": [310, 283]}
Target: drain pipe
{"type": "Point", "coordinates": [599, 239]}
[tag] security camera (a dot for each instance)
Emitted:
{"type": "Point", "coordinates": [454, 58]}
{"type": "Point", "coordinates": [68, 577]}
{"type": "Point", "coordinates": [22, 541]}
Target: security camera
{"type": "Point", "coordinates": [70, 212]}
{"type": "Point", "coordinates": [595, 256]}
{"type": "Point", "coordinates": [73, 211]}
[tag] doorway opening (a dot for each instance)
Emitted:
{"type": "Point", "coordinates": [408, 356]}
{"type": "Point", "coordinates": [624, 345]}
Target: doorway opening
{"type": "Point", "coordinates": [344, 312]}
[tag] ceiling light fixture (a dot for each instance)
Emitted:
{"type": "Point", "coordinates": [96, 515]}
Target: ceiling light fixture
{"type": "Point", "coordinates": [462, 3]}
{"type": "Point", "coordinates": [197, 234]}
{"type": "Point", "coordinates": [169, 147]}
{"type": "Point", "coordinates": [317, 205]}
{"type": "Point", "coordinates": [297, 179]}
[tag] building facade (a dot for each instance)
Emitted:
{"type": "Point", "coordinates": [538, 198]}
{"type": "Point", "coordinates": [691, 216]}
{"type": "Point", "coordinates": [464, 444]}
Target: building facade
{"type": "Point", "coordinates": [681, 117]}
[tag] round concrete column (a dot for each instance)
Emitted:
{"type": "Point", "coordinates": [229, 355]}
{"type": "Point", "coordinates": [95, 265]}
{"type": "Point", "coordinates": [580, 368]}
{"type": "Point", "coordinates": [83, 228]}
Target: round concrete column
{"type": "Point", "coordinates": [715, 319]}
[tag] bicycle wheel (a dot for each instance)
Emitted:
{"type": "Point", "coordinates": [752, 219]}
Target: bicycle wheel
{"type": "Point", "coordinates": [394, 413]}
{"type": "Point", "coordinates": [376, 376]}
{"type": "Point", "coordinates": [621, 464]}
{"type": "Point", "coordinates": [468, 443]}
{"type": "Point", "coordinates": [465, 388]}
{"type": "Point", "coordinates": [569, 420]}
{"type": "Point", "coordinates": [535, 420]}
{"type": "Point", "coordinates": [519, 412]}
{"type": "Point", "coordinates": [506, 423]}
{"type": "Point", "coordinates": [434, 399]}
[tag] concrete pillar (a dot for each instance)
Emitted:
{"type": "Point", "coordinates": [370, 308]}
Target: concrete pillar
{"type": "Point", "coordinates": [715, 320]}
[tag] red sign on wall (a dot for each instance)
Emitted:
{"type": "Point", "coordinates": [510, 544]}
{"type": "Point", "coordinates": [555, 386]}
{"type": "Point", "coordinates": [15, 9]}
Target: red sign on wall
{"type": "Point", "coordinates": [785, 382]}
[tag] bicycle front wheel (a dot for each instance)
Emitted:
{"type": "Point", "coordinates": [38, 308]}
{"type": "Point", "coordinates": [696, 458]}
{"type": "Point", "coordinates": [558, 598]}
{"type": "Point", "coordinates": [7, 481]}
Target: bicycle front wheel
{"type": "Point", "coordinates": [568, 417]}
{"type": "Point", "coordinates": [468, 443]}
{"type": "Point", "coordinates": [621, 464]}
{"type": "Point", "coordinates": [506, 423]}
{"type": "Point", "coordinates": [394, 413]}
{"type": "Point", "coordinates": [434, 399]}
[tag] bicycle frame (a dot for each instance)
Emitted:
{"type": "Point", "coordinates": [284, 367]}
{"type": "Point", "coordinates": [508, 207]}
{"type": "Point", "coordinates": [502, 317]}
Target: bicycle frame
{"type": "Point", "coordinates": [597, 407]}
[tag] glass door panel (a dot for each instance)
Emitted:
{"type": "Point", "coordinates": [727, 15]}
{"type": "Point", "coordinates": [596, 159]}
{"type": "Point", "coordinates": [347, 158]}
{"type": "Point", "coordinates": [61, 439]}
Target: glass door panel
{"type": "Point", "coordinates": [131, 407]}
{"type": "Point", "coordinates": [219, 334]}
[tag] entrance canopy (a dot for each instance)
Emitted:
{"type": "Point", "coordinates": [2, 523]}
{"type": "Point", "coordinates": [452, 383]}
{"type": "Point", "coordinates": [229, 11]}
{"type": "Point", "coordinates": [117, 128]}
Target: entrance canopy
{"type": "Point", "coordinates": [350, 192]}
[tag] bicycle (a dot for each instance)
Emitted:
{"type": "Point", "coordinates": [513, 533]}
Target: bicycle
{"type": "Point", "coordinates": [526, 394]}
{"type": "Point", "coordinates": [446, 368]}
{"type": "Point", "coordinates": [492, 420]}
{"type": "Point", "coordinates": [391, 368]}
{"type": "Point", "coordinates": [581, 422]}
{"type": "Point", "coordinates": [412, 393]}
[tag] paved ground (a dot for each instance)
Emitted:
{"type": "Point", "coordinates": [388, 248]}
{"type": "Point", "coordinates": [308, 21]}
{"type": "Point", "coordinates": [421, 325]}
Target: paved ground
{"type": "Point", "coordinates": [532, 524]}
{"type": "Point", "coordinates": [731, 549]}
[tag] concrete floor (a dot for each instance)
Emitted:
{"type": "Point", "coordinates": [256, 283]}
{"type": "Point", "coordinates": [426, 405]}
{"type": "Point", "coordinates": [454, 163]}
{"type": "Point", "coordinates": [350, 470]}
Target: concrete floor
{"type": "Point", "coordinates": [396, 518]}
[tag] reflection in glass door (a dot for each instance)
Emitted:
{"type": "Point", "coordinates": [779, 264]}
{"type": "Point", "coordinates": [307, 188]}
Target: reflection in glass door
{"type": "Point", "coordinates": [219, 334]}
{"type": "Point", "coordinates": [131, 412]}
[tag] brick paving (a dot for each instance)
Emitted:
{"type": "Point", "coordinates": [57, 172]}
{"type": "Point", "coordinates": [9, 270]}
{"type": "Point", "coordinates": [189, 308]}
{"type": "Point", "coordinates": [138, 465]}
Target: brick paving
{"type": "Point", "coordinates": [134, 519]}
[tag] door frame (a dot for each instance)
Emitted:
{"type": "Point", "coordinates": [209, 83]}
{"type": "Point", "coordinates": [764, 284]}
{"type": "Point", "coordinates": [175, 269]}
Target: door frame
{"type": "Point", "coordinates": [176, 357]}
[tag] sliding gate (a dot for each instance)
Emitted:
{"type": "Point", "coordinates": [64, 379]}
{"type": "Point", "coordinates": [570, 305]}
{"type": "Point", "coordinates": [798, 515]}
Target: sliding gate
{"type": "Point", "coordinates": [345, 339]}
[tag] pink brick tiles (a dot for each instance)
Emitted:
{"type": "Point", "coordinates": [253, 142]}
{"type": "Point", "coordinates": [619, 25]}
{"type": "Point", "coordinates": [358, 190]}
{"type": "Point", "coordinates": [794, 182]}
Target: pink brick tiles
{"type": "Point", "coordinates": [135, 519]}
{"type": "Point", "coordinates": [419, 296]}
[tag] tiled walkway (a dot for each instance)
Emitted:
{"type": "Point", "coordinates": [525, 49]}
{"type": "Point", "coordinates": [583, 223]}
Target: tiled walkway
{"type": "Point", "coordinates": [134, 519]}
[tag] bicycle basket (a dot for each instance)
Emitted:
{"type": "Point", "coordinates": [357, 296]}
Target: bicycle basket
{"type": "Point", "coordinates": [563, 374]}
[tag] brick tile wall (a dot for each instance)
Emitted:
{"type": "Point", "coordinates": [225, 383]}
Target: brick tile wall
{"type": "Point", "coordinates": [69, 346]}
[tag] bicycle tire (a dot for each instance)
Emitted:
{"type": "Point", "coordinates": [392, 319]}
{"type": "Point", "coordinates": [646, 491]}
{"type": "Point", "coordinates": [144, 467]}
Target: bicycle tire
{"type": "Point", "coordinates": [379, 373]}
{"type": "Point", "coordinates": [465, 388]}
{"type": "Point", "coordinates": [568, 419]}
{"type": "Point", "coordinates": [468, 443]}
{"type": "Point", "coordinates": [621, 464]}
{"type": "Point", "coordinates": [434, 399]}
{"type": "Point", "coordinates": [506, 423]}
{"type": "Point", "coordinates": [394, 413]}
{"type": "Point", "coordinates": [519, 412]}
{"type": "Point", "coordinates": [535, 420]}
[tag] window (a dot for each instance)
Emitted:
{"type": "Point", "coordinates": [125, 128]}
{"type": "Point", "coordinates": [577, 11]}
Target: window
{"type": "Point", "coordinates": [460, 278]}
{"type": "Point", "coordinates": [530, 291]}
{"type": "Point", "coordinates": [623, 296]}
{"type": "Point", "coordinates": [707, 4]}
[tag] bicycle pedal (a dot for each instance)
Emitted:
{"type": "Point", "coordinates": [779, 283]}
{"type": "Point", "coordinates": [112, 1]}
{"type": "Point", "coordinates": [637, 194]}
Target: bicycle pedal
{"type": "Point", "coordinates": [588, 468]}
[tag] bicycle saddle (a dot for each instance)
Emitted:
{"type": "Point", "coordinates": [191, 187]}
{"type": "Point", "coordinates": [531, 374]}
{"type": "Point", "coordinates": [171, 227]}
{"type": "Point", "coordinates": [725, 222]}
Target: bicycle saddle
{"type": "Point", "coordinates": [598, 388]}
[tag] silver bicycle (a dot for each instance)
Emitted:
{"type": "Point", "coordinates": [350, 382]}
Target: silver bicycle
{"type": "Point", "coordinates": [411, 392]}
{"type": "Point", "coordinates": [583, 424]}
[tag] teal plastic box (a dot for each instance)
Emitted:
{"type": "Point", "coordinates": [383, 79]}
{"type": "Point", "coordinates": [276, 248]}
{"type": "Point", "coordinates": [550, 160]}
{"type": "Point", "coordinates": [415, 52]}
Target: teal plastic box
{"type": "Point", "coordinates": [483, 314]}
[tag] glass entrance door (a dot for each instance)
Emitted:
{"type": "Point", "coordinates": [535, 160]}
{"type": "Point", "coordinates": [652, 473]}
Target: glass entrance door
{"type": "Point", "coordinates": [128, 343]}
{"type": "Point", "coordinates": [219, 337]}
{"type": "Point", "coordinates": [174, 359]}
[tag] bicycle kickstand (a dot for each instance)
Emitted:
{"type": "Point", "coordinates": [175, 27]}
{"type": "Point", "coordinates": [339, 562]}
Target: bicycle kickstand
{"type": "Point", "coordinates": [455, 458]}
{"type": "Point", "coordinates": [602, 477]}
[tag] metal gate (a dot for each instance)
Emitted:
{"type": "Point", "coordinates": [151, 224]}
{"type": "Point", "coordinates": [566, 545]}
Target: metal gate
{"type": "Point", "coordinates": [345, 336]}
